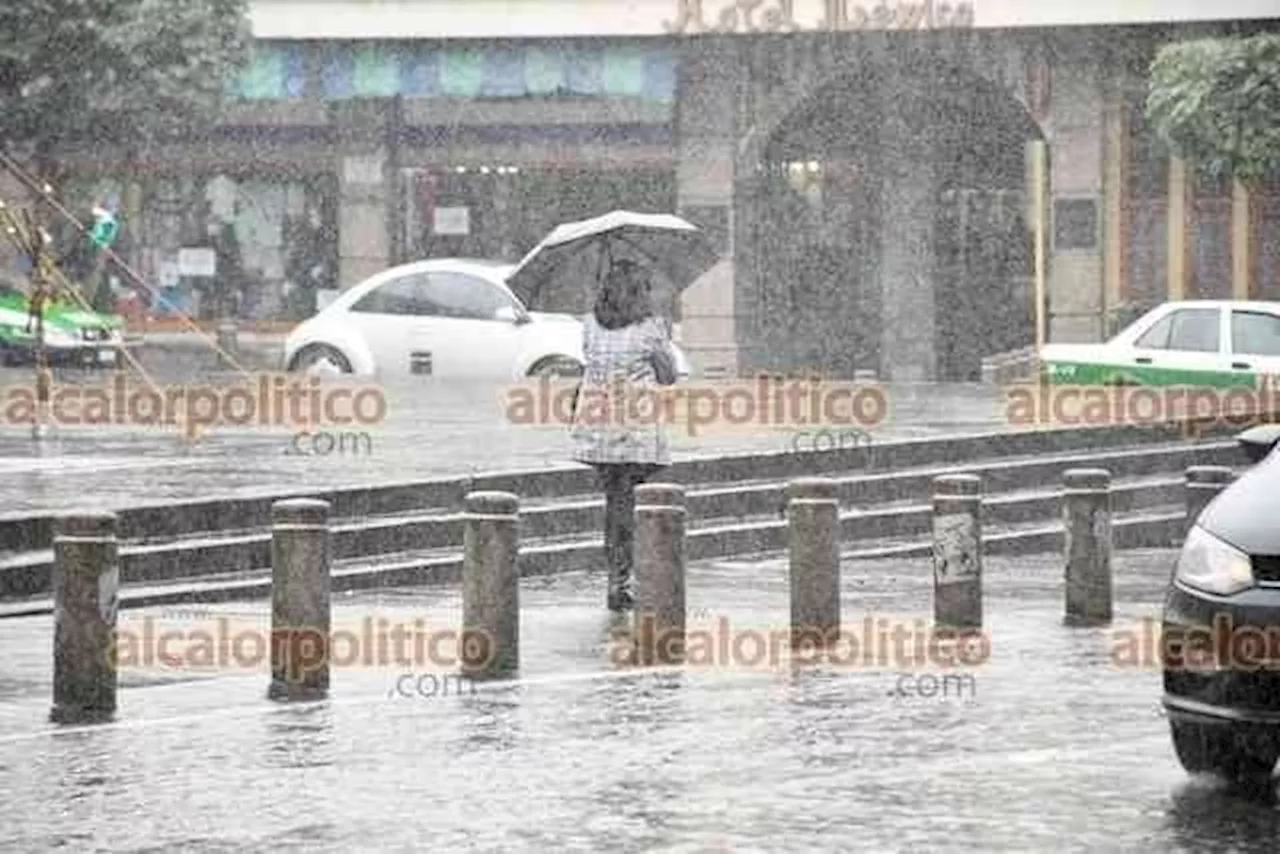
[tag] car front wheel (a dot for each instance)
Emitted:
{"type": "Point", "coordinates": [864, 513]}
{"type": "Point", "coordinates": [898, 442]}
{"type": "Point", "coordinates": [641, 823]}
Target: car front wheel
{"type": "Point", "coordinates": [320, 357]}
{"type": "Point", "coordinates": [1226, 751]}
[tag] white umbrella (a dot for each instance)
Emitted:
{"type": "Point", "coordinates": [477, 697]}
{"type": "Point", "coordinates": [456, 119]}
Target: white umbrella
{"type": "Point", "coordinates": [580, 252]}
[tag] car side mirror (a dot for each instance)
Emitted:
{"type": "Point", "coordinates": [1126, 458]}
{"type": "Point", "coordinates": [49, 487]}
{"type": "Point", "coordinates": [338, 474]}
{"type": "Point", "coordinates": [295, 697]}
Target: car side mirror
{"type": "Point", "coordinates": [1257, 442]}
{"type": "Point", "coordinates": [511, 314]}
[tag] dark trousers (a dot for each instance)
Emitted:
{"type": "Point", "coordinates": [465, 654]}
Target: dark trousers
{"type": "Point", "coordinates": [619, 482]}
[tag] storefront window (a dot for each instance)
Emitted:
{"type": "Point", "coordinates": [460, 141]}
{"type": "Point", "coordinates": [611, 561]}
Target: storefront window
{"type": "Point", "coordinates": [251, 247]}
{"type": "Point", "coordinates": [500, 212]}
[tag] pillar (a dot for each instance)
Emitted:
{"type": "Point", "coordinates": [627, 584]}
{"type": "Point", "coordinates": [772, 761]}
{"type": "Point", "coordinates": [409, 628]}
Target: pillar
{"type": "Point", "coordinates": [300, 599]}
{"type": "Point", "coordinates": [365, 196]}
{"type": "Point", "coordinates": [491, 585]}
{"type": "Point", "coordinates": [1087, 517]}
{"type": "Point", "coordinates": [1116, 204]}
{"type": "Point", "coordinates": [1077, 129]}
{"type": "Point", "coordinates": [957, 551]}
{"type": "Point", "coordinates": [1242, 243]}
{"type": "Point", "coordinates": [907, 285]}
{"type": "Point", "coordinates": [813, 510]}
{"type": "Point", "coordinates": [86, 581]}
{"type": "Point", "coordinates": [1179, 210]}
{"type": "Point", "coordinates": [706, 144]}
{"type": "Point", "coordinates": [660, 610]}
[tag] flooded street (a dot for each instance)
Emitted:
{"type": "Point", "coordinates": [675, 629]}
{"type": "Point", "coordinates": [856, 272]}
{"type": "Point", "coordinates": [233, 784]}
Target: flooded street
{"type": "Point", "coordinates": [433, 428]}
{"type": "Point", "coordinates": [1051, 747]}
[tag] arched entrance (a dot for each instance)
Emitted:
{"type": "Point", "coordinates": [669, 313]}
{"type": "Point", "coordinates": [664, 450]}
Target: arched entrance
{"type": "Point", "coordinates": [892, 230]}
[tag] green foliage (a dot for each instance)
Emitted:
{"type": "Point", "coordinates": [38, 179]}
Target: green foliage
{"type": "Point", "coordinates": [126, 70]}
{"type": "Point", "coordinates": [1217, 102]}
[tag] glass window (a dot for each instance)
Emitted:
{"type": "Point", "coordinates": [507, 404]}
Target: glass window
{"type": "Point", "coordinates": [403, 296]}
{"type": "Point", "coordinates": [1157, 337]}
{"type": "Point", "coordinates": [1255, 333]}
{"type": "Point", "coordinates": [1195, 330]}
{"type": "Point", "coordinates": [462, 296]}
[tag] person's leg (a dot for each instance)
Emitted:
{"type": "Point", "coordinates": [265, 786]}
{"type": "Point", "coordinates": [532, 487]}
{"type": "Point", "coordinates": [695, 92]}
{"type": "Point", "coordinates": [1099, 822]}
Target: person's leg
{"type": "Point", "coordinates": [629, 477]}
{"type": "Point", "coordinates": [612, 481]}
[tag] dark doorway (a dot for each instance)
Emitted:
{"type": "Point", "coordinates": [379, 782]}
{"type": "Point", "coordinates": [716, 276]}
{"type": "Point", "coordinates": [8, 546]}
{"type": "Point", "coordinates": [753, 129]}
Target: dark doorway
{"type": "Point", "coordinates": [821, 238]}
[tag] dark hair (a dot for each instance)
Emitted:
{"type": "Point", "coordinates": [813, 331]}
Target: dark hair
{"type": "Point", "coordinates": [624, 296]}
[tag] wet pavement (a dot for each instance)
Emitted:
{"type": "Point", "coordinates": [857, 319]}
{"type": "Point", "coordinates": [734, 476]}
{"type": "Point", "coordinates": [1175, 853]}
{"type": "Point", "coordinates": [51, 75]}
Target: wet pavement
{"type": "Point", "coordinates": [1052, 748]}
{"type": "Point", "coordinates": [433, 428]}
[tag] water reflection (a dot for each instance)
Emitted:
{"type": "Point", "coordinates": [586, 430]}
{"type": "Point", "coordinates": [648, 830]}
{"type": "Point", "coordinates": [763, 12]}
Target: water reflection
{"type": "Point", "coordinates": [300, 737]}
{"type": "Point", "coordinates": [820, 701]}
{"type": "Point", "coordinates": [490, 718]}
{"type": "Point", "coordinates": [637, 804]}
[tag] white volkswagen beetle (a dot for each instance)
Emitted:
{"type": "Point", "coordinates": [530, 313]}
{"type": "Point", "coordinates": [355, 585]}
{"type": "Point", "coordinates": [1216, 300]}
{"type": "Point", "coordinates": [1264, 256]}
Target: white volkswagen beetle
{"type": "Point", "coordinates": [443, 317]}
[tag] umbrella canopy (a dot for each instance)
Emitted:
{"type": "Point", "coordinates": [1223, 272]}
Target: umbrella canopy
{"type": "Point", "coordinates": [570, 262]}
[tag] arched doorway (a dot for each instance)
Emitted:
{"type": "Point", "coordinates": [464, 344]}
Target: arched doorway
{"type": "Point", "coordinates": [892, 229]}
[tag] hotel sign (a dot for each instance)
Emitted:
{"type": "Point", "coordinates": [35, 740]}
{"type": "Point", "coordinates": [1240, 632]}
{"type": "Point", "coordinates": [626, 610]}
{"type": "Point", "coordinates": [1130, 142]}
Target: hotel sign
{"type": "Point", "coordinates": [779, 16]}
{"type": "Point", "coordinates": [555, 19]}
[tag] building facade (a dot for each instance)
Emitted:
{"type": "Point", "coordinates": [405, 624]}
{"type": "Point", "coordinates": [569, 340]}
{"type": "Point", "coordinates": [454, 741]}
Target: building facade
{"type": "Point", "coordinates": [866, 169]}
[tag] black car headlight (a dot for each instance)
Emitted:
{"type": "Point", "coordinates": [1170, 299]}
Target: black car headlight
{"type": "Point", "coordinates": [1208, 564]}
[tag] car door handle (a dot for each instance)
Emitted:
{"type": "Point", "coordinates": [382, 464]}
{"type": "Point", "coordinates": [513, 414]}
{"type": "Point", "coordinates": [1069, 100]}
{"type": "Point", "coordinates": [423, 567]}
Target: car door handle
{"type": "Point", "coordinates": [1143, 360]}
{"type": "Point", "coordinates": [1244, 366]}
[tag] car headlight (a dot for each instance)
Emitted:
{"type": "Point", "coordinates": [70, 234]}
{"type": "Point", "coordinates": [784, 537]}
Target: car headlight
{"type": "Point", "coordinates": [1207, 563]}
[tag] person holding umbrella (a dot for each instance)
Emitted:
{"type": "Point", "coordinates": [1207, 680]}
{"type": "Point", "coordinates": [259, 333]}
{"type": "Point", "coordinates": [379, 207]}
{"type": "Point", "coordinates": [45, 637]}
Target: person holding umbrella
{"type": "Point", "coordinates": [610, 261]}
{"type": "Point", "coordinates": [624, 343]}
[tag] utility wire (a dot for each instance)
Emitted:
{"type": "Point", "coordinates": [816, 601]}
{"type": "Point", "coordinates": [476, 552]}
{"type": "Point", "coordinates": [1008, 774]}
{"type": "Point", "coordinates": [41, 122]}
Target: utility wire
{"type": "Point", "coordinates": [45, 191]}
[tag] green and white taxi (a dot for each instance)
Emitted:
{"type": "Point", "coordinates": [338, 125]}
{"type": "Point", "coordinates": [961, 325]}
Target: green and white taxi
{"type": "Point", "coordinates": [1221, 343]}
{"type": "Point", "coordinates": [72, 335]}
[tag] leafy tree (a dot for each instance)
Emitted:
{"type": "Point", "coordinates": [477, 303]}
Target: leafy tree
{"type": "Point", "coordinates": [129, 71]}
{"type": "Point", "coordinates": [1217, 102]}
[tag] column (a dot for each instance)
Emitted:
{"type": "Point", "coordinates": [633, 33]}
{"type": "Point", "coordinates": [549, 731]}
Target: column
{"type": "Point", "coordinates": [1115, 192]}
{"type": "Point", "coordinates": [364, 191]}
{"type": "Point", "coordinates": [1179, 198]}
{"type": "Point", "coordinates": [706, 150]}
{"type": "Point", "coordinates": [907, 292]}
{"type": "Point", "coordinates": [1077, 130]}
{"type": "Point", "coordinates": [1242, 243]}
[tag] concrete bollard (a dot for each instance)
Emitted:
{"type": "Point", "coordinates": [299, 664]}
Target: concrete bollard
{"type": "Point", "coordinates": [1203, 483]}
{"type": "Point", "coordinates": [86, 582]}
{"type": "Point", "coordinates": [813, 509]}
{"type": "Point", "coordinates": [659, 574]}
{"type": "Point", "coordinates": [228, 342]}
{"type": "Point", "coordinates": [1087, 510]}
{"type": "Point", "coordinates": [957, 551]}
{"type": "Point", "coordinates": [490, 645]}
{"type": "Point", "coordinates": [300, 600]}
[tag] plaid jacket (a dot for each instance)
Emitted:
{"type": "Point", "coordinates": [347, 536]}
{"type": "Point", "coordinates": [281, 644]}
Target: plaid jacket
{"type": "Point", "coordinates": [619, 359]}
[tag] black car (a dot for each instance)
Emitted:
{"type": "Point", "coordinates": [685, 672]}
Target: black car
{"type": "Point", "coordinates": [1221, 626]}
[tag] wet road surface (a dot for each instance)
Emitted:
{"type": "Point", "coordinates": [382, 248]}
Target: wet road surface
{"type": "Point", "coordinates": [1053, 748]}
{"type": "Point", "coordinates": [433, 428]}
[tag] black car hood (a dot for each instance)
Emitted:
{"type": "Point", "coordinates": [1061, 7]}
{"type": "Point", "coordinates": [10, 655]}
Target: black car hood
{"type": "Point", "coordinates": [1242, 514]}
